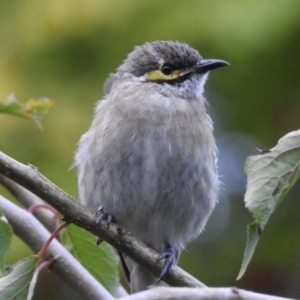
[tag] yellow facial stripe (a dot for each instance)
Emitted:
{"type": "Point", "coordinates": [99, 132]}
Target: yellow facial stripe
{"type": "Point", "coordinates": [158, 75]}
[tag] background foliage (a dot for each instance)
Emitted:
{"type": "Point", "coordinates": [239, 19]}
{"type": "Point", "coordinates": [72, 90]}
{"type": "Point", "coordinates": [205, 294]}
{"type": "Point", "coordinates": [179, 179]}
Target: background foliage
{"type": "Point", "coordinates": [64, 49]}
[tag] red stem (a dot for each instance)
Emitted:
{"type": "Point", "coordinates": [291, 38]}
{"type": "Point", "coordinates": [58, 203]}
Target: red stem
{"type": "Point", "coordinates": [34, 207]}
{"type": "Point", "coordinates": [52, 236]}
{"type": "Point", "coordinates": [43, 265]}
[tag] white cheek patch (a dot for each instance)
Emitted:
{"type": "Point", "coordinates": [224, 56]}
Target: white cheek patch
{"type": "Point", "coordinates": [142, 78]}
{"type": "Point", "coordinates": [201, 83]}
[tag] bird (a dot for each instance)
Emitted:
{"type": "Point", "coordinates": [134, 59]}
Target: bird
{"type": "Point", "coordinates": [148, 160]}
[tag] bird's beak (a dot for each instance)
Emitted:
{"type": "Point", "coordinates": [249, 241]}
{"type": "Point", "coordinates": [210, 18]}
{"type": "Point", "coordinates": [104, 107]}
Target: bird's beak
{"type": "Point", "coordinates": [206, 65]}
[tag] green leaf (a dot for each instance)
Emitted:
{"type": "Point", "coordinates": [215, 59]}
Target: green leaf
{"type": "Point", "coordinates": [15, 283]}
{"type": "Point", "coordinates": [270, 176]}
{"type": "Point", "coordinates": [5, 239]}
{"type": "Point", "coordinates": [101, 261]}
{"type": "Point", "coordinates": [33, 109]}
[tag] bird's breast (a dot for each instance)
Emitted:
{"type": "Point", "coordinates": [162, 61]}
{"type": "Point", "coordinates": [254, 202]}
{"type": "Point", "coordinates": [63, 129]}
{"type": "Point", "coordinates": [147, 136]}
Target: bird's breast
{"type": "Point", "coordinates": [153, 168]}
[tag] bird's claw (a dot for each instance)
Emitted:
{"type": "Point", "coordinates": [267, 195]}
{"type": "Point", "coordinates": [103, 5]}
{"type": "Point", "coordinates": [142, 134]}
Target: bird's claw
{"type": "Point", "coordinates": [99, 241]}
{"type": "Point", "coordinates": [101, 214]}
{"type": "Point", "coordinates": [169, 256]}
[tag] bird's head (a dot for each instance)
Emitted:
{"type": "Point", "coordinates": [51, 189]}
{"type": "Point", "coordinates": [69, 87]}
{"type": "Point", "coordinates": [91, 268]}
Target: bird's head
{"type": "Point", "coordinates": [171, 67]}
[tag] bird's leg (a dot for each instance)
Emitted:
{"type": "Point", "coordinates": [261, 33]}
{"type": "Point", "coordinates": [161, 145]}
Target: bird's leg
{"type": "Point", "coordinates": [169, 256]}
{"type": "Point", "coordinates": [101, 214]}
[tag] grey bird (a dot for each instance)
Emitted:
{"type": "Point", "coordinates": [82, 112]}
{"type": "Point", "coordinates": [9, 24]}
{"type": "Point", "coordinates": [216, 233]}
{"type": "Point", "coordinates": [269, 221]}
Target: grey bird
{"type": "Point", "coordinates": [149, 157]}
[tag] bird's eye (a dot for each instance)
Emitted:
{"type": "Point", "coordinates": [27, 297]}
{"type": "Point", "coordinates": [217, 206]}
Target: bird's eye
{"type": "Point", "coordinates": [167, 70]}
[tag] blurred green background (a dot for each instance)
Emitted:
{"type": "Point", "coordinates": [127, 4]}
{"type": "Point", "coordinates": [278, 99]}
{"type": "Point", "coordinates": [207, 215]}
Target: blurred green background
{"type": "Point", "coordinates": [64, 49]}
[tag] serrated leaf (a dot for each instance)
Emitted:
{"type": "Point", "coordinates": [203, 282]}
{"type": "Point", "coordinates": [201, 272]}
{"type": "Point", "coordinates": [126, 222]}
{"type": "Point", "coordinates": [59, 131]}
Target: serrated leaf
{"type": "Point", "coordinates": [101, 261]}
{"type": "Point", "coordinates": [34, 109]}
{"type": "Point", "coordinates": [5, 239]}
{"type": "Point", "coordinates": [15, 283]}
{"type": "Point", "coordinates": [269, 178]}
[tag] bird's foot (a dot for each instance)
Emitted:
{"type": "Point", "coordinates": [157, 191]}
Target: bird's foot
{"type": "Point", "coordinates": [101, 214]}
{"type": "Point", "coordinates": [169, 256]}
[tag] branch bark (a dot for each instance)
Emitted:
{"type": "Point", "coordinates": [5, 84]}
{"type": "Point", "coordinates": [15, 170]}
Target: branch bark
{"type": "Point", "coordinates": [75, 212]}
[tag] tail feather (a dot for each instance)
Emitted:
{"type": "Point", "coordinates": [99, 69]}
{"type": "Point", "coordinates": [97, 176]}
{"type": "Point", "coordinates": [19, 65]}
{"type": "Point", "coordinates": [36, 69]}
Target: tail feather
{"type": "Point", "coordinates": [139, 278]}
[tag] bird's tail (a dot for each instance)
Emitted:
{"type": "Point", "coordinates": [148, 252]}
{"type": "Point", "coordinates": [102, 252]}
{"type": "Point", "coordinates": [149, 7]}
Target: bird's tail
{"type": "Point", "coordinates": [138, 277]}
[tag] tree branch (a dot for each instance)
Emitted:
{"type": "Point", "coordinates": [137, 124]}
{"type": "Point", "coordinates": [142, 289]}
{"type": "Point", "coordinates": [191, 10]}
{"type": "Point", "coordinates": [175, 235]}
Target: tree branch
{"type": "Point", "coordinates": [48, 219]}
{"type": "Point", "coordinates": [167, 293]}
{"type": "Point", "coordinates": [27, 199]}
{"type": "Point", "coordinates": [64, 265]}
{"type": "Point", "coordinates": [75, 212]}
